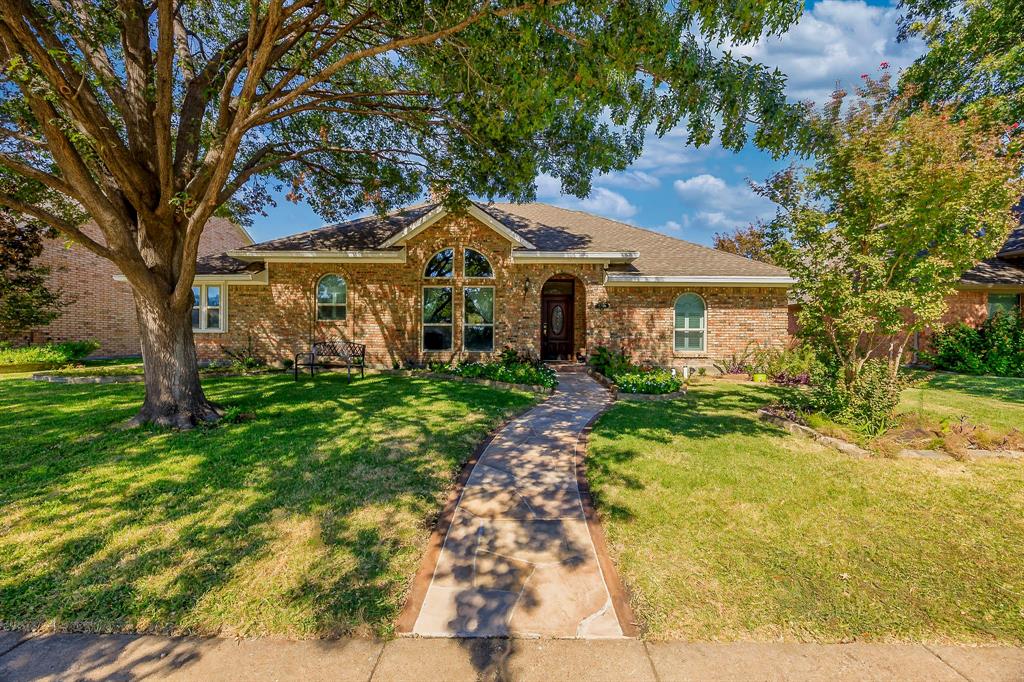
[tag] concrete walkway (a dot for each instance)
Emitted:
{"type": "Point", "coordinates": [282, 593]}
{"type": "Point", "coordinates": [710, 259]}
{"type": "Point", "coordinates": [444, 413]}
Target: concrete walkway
{"type": "Point", "coordinates": [124, 657]}
{"type": "Point", "coordinates": [518, 558]}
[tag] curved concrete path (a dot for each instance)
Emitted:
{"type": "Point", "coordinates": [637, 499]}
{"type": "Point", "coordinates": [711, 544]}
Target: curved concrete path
{"type": "Point", "coordinates": [518, 558]}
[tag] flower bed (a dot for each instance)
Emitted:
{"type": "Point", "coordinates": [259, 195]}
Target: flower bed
{"type": "Point", "coordinates": [628, 377]}
{"type": "Point", "coordinates": [512, 368]}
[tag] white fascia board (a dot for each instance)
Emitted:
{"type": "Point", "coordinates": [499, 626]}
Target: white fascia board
{"type": "Point", "coordinates": [605, 257]}
{"type": "Point", "coordinates": [697, 280]}
{"type": "Point", "coordinates": [440, 212]}
{"type": "Point", "coordinates": [365, 256]}
{"type": "Point", "coordinates": [235, 279]}
{"type": "Point", "coordinates": [977, 286]}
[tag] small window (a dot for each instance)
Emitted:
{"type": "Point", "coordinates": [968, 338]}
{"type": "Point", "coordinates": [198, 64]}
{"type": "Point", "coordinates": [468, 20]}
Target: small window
{"type": "Point", "coordinates": [441, 264]}
{"type": "Point", "coordinates": [476, 264]}
{"type": "Point", "coordinates": [207, 308]}
{"type": "Point", "coordinates": [690, 323]}
{"type": "Point", "coordinates": [438, 320]}
{"type": "Point", "coordinates": [478, 319]}
{"type": "Point", "coordinates": [1003, 303]}
{"type": "Point", "coordinates": [331, 298]}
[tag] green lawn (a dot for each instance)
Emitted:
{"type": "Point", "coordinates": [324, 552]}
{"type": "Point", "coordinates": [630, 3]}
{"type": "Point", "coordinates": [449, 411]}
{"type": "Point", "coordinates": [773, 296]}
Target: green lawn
{"type": "Point", "coordinates": [307, 520]}
{"type": "Point", "coordinates": [995, 401]}
{"type": "Point", "coordinates": [724, 527]}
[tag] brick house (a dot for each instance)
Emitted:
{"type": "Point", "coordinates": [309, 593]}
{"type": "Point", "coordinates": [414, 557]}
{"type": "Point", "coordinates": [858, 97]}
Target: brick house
{"type": "Point", "coordinates": [100, 308]}
{"type": "Point", "coordinates": [424, 284]}
{"type": "Point", "coordinates": [993, 285]}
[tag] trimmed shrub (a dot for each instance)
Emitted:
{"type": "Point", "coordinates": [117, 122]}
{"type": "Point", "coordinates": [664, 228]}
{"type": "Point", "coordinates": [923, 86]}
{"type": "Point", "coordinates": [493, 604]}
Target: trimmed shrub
{"type": "Point", "coordinates": [791, 366]}
{"type": "Point", "coordinates": [868, 404]}
{"type": "Point", "coordinates": [53, 354]}
{"type": "Point", "coordinates": [513, 368]}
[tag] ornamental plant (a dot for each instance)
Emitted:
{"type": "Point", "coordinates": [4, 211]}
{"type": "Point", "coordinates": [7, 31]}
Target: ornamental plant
{"type": "Point", "coordinates": [879, 228]}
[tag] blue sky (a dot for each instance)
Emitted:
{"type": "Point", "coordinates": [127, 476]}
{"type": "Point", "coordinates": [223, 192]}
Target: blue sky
{"type": "Point", "coordinates": [692, 193]}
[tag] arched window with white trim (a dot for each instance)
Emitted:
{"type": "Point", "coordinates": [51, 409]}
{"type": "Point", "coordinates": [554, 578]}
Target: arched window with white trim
{"type": "Point", "coordinates": [691, 323]}
{"type": "Point", "coordinates": [441, 265]}
{"type": "Point", "coordinates": [331, 298]}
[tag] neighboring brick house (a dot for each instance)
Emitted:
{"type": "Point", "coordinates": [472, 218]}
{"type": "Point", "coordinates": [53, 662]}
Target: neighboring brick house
{"type": "Point", "coordinates": [100, 308]}
{"type": "Point", "coordinates": [424, 284]}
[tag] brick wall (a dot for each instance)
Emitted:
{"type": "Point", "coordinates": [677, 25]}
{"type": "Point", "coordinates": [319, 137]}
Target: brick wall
{"type": "Point", "coordinates": [384, 307]}
{"type": "Point", "coordinates": [101, 309]}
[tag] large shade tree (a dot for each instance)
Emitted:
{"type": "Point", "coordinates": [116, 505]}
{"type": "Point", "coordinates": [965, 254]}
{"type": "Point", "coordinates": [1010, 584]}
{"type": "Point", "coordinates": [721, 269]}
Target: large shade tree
{"type": "Point", "coordinates": [149, 117]}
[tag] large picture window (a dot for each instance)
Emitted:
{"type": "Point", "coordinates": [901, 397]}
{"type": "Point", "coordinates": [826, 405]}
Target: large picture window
{"type": "Point", "coordinates": [207, 308]}
{"type": "Point", "coordinates": [478, 319]}
{"type": "Point", "coordinates": [331, 298]}
{"type": "Point", "coordinates": [438, 318]}
{"type": "Point", "coordinates": [475, 264]}
{"type": "Point", "coordinates": [691, 320]}
{"type": "Point", "coordinates": [441, 264]}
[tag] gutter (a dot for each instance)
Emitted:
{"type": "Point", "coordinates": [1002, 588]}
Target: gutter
{"type": "Point", "coordinates": [363, 255]}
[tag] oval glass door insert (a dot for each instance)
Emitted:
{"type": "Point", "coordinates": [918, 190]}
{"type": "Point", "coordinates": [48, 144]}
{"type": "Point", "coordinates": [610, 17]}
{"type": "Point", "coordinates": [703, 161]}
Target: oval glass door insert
{"type": "Point", "coordinates": [557, 319]}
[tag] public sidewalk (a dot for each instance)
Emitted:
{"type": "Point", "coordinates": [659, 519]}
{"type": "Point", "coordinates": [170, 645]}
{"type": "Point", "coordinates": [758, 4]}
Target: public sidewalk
{"type": "Point", "coordinates": [126, 657]}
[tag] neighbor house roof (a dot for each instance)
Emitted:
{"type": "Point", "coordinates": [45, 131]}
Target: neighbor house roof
{"type": "Point", "coordinates": [1007, 268]}
{"type": "Point", "coordinates": [536, 230]}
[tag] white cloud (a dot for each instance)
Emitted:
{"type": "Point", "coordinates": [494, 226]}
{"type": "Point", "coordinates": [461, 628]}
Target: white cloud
{"type": "Point", "coordinates": [601, 201]}
{"type": "Point", "coordinates": [834, 42]}
{"type": "Point", "coordinates": [630, 179]}
{"type": "Point", "coordinates": [711, 202]}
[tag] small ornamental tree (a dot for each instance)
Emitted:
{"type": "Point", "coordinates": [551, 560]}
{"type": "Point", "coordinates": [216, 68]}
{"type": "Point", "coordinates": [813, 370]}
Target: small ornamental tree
{"type": "Point", "coordinates": [750, 242]}
{"type": "Point", "coordinates": [25, 300]}
{"type": "Point", "coordinates": [878, 231]}
{"type": "Point", "coordinates": [150, 117]}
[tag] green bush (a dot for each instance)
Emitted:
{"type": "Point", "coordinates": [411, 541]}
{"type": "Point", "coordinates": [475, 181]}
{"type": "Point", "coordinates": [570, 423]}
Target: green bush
{"type": "Point", "coordinates": [791, 366]}
{"type": "Point", "coordinates": [610, 363]}
{"type": "Point", "coordinates": [513, 368]}
{"type": "Point", "coordinates": [654, 381]}
{"type": "Point", "coordinates": [55, 354]}
{"type": "Point", "coordinates": [997, 347]}
{"type": "Point", "coordinates": [868, 404]}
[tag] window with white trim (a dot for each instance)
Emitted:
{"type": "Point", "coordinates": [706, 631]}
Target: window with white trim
{"type": "Point", "coordinates": [331, 298]}
{"type": "Point", "coordinates": [475, 264]}
{"type": "Point", "coordinates": [438, 318]}
{"type": "Point", "coordinates": [441, 264]}
{"type": "Point", "coordinates": [207, 308]}
{"type": "Point", "coordinates": [478, 319]}
{"type": "Point", "coordinates": [691, 321]}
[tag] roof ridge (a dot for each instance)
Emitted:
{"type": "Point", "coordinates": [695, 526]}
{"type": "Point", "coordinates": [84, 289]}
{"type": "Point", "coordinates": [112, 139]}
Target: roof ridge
{"type": "Point", "coordinates": [339, 223]}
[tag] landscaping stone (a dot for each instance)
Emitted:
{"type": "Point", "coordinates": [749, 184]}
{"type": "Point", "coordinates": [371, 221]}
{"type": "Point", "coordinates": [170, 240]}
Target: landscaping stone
{"type": "Point", "coordinates": [802, 430]}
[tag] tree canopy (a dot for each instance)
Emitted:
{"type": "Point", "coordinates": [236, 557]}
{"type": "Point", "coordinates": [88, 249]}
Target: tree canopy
{"type": "Point", "coordinates": [975, 55]}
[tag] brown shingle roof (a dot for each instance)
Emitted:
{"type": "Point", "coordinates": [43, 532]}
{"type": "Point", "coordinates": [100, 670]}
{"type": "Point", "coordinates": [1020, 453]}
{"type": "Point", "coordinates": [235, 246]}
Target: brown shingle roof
{"type": "Point", "coordinates": [551, 228]}
{"type": "Point", "coordinates": [548, 228]}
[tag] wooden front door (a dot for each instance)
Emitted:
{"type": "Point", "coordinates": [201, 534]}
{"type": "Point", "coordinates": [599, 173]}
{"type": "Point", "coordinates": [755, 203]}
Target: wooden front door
{"type": "Point", "coordinates": [556, 330]}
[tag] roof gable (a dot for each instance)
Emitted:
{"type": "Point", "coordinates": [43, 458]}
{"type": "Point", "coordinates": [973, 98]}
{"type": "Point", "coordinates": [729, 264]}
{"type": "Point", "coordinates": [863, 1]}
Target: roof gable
{"type": "Point", "coordinates": [439, 211]}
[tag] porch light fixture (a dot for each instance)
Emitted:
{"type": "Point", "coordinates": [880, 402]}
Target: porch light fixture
{"type": "Point", "coordinates": [602, 305]}
{"type": "Point", "coordinates": [526, 286]}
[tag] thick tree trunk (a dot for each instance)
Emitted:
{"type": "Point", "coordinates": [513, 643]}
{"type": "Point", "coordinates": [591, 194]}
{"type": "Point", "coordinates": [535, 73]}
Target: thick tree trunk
{"type": "Point", "coordinates": [174, 396]}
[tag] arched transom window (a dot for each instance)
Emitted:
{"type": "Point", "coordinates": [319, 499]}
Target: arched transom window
{"type": "Point", "coordinates": [691, 323]}
{"type": "Point", "coordinates": [476, 264]}
{"type": "Point", "coordinates": [441, 264]}
{"type": "Point", "coordinates": [331, 298]}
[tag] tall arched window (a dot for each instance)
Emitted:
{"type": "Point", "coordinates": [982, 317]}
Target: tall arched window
{"type": "Point", "coordinates": [331, 298]}
{"type": "Point", "coordinates": [475, 264]}
{"type": "Point", "coordinates": [441, 264]}
{"type": "Point", "coordinates": [691, 321]}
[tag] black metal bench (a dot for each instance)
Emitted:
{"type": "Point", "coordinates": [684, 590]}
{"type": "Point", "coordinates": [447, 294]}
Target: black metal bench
{"type": "Point", "coordinates": [352, 354]}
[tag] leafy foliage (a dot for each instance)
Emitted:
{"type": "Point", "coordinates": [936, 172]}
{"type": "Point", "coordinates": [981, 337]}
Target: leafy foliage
{"type": "Point", "coordinates": [792, 366]}
{"type": "Point", "coordinates": [630, 377]}
{"type": "Point", "coordinates": [867, 403]}
{"type": "Point", "coordinates": [245, 359]}
{"type": "Point", "coordinates": [895, 208]}
{"type": "Point", "coordinates": [56, 354]}
{"type": "Point", "coordinates": [974, 55]}
{"type": "Point", "coordinates": [736, 362]}
{"type": "Point", "coordinates": [25, 300]}
{"type": "Point", "coordinates": [512, 367]}
{"type": "Point", "coordinates": [750, 242]}
{"type": "Point", "coordinates": [655, 381]}
{"type": "Point", "coordinates": [997, 347]}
